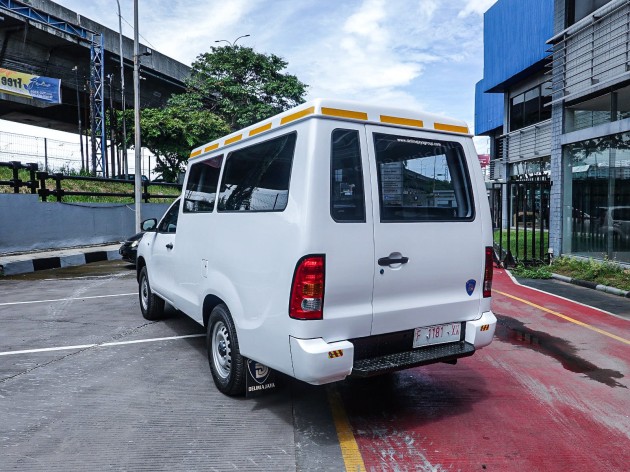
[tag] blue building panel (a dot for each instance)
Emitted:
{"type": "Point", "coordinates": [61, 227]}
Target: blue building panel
{"type": "Point", "coordinates": [488, 109]}
{"type": "Point", "coordinates": [515, 33]}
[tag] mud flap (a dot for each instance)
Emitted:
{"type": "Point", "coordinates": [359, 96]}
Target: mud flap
{"type": "Point", "coordinates": [259, 379]}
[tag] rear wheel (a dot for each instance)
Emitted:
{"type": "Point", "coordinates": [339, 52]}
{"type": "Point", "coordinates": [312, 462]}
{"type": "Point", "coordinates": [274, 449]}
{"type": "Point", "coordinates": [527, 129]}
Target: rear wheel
{"type": "Point", "coordinates": [151, 305]}
{"type": "Point", "coordinates": [226, 363]}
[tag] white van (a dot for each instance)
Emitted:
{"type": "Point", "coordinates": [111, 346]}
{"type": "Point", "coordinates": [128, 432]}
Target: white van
{"type": "Point", "coordinates": [334, 239]}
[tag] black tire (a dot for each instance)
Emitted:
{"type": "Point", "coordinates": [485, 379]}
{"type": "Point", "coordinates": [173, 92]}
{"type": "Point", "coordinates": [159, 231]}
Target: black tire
{"type": "Point", "coordinates": [226, 363]}
{"type": "Point", "coordinates": [151, 305]}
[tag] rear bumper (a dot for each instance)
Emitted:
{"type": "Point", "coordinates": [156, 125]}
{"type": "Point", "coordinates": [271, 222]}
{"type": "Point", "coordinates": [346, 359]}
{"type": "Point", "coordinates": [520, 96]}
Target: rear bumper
{"type": "Point", "coordinates": [479, 332]}
{"type": "Point", "coordinates": [317, 362]}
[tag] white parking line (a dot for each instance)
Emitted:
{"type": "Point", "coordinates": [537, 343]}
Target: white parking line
{"type": "Point", "coordinates": [68, 299]}
{"type": "Point", "coordinates": [88, 346]}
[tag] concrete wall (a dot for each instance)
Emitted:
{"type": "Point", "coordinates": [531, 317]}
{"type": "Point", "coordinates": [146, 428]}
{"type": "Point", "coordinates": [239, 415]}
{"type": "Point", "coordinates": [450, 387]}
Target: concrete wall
{"type": "Point", "coordinates": [27, 224]}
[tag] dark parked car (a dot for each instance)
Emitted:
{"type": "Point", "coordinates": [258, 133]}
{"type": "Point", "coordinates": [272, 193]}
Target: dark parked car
{"type": "Point", "coordinates": [129, 248]}
{"type": "Point", "coordinates": [131, 177]}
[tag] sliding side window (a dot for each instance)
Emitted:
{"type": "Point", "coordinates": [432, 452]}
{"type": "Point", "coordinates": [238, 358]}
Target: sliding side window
{"type": "Point", "coordinates": [201, 188]}
{"type": "Point", "coordinates": [256, 178]}
{"type": "Point", "coordinates": [347, 200]}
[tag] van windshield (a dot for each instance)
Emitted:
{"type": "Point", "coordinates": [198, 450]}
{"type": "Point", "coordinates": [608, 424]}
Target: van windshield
{"type": "Point", "coordinates": [422, 180]}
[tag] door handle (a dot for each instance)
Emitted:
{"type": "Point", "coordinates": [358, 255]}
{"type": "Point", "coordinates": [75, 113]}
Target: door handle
{"type": "Point", "coordinates": [385, 261]}
{"type": "Point", "coordinates": [169, 246]}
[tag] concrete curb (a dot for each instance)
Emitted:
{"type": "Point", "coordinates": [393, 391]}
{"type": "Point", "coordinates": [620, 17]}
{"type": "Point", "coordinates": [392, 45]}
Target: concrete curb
{"type": "Point", "coordinates": [27, 263]}
{"type": "Point", "coordinates": [592, 285]}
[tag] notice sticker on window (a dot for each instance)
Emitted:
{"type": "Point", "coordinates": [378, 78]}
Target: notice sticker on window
{"type": "Point", "coordinates": [391, 183]}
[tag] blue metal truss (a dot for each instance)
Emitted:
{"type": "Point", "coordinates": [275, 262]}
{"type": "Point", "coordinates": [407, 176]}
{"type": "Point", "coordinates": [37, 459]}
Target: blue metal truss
{"type": "Point", "coordinates": [41, 17]}
{"type": "Point", "coordinates": [97, 102]}
{"type": "Point", "coordinates": [97, 75]}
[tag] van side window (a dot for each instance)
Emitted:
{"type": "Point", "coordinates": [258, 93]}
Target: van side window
{"type": "Point", "coordinates": [347, 200]}
{"type": "Point", "coordinates": [422, 180]}
{"type": "Point", "coordinates": [256, 178]}
{"type": "Point", "coordinates": [169, 222]}
{"type": "Point", "coordinates": [201, 188]}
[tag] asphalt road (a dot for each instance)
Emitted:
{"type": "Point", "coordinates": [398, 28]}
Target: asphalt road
{"type": "Point", "coordinates": [87, 384]}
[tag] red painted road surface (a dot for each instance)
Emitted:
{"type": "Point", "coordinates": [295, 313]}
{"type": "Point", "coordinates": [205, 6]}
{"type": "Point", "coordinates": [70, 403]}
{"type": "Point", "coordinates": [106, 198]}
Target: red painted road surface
{"type": "Point", "coordinates": [546, 395]}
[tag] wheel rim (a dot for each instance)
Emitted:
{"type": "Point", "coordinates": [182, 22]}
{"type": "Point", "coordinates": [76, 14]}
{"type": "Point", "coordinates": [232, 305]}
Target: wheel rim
{"type": "Point", "coordinates": [221, 350]}
{"type": "Point", "coordinates": [144, 293]}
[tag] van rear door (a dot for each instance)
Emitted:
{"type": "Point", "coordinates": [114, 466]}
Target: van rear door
{"type": "Point", "coordinates": [429, 253]}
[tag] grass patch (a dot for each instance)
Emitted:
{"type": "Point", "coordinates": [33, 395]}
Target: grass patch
{"type": "Point", "coordinates": [532, 272]}
{"type": "Point", "coordinates": [518, 246]}
{"type": "Point", "coordinates": [600, 272]}
{"type": "Point", "coordinates": [112, 186]}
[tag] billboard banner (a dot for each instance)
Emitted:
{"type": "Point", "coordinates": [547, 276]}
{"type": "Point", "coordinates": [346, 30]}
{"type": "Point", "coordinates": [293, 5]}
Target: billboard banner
{"type": "Point", "coordinates": [30, 86]}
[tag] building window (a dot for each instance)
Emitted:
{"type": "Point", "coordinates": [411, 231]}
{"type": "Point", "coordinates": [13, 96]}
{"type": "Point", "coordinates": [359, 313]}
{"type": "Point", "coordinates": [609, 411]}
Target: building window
{"type": "Point", "coordinates": [611, 106]}
{"type": "Point", "coordinates": [578, 9]}
{"type": "Point", "coordinates": [597, 198]}
{"type": "Point", "coordinates": [530, 107]}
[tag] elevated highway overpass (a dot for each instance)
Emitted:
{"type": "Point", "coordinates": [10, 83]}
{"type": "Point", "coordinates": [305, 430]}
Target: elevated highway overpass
{"type": "Point", "coordinates": [40, 37]}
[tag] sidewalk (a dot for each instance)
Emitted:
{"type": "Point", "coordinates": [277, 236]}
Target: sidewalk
{"type": "Point", "coordinates": [14, 264]}
{"type": "Point", "coordinates": [610, 303]}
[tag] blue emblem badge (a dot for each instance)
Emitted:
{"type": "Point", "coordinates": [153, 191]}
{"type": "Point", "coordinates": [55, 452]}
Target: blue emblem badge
{"type": "Point", "coordinates": [470, 286]}
{"type": "Point", "coordinates": [258, 372]}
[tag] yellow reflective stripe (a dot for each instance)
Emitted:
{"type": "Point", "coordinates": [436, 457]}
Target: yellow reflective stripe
{"type": "Point", "coordinates": [297, 116]}
{"type": "Point", "coordinates": [453, 128]}
{"type": "Point", "coordinates": [395, 120]}
{"type": "Point", "coordinates": [354, 115]}
{"type": "Point", "coordinates": [348, 444]}
{"type": "Point", "coordinates": [260, 129]}
{"type": "Point", "coordinates": [195, 153]}
{"type": "Point", "coordinates": [211, 147]}
{"type": "Point", "coordinates": [233, 139]}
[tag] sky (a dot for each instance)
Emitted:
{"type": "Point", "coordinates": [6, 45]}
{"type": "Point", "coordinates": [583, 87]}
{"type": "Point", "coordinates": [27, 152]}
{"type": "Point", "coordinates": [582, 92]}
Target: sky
{"type": "Point", "coordinates": [417, 54]}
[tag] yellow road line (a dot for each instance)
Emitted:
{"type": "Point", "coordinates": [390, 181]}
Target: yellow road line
{"type": "Point", "coordinates": [349, 448]}
{"type": "Point", "coordinates": [565, 317]}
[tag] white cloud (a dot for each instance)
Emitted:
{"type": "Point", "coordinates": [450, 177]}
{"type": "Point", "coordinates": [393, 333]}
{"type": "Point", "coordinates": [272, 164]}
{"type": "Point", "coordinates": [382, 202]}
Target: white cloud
{"type": "Point", "coordinates": [478, 7]}
{"type": "Point", "coordinates": [423, 54]}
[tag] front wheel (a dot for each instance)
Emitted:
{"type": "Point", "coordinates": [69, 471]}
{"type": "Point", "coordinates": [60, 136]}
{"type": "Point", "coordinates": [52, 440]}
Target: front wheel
{"type": "Point", "coordinates": [226, 362]}
{"type": "Point", "coordinates": [151, 305]}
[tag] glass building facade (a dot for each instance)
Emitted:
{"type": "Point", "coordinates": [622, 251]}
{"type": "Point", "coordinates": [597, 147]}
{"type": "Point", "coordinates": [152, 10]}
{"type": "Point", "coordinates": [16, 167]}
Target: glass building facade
{"type": "Point", "coordinates": [596, 189]}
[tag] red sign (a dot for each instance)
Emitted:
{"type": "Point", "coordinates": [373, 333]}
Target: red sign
{"type": "Point", "coordinates": [484, 160]}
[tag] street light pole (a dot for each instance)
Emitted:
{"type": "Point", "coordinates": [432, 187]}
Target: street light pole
{"type": "Point", "coordinates": [122, 91]}
{"type": "Point", "coordinates": [233, 43]}
{"type": "Point", "coordinates": [136, 106]}
{"type": "Point", "coordinates": [76, 81]}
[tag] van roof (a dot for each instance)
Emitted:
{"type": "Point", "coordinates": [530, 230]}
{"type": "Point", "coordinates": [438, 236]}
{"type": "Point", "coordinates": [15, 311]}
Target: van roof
{"type": "Point", "coordinates": [342, 110]}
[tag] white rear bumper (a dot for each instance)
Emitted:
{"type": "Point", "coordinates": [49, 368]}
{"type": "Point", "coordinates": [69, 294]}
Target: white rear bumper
{"type": "Point", "coordinates": [317, 362]}
{"type": "Point", "coordinates": [479, 332]}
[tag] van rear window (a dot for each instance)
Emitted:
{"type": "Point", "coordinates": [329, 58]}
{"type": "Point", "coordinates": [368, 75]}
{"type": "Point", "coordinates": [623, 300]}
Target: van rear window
{"type": "Point", "coordinates": [422, 180]}
{"type": "Point", "coordinates": [256, 178]}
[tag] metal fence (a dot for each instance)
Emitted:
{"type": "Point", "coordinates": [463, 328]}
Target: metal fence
{"type": "Point", "coordinates": [50, 154]}
{"type": "Point", "coordinates": [53, 155]}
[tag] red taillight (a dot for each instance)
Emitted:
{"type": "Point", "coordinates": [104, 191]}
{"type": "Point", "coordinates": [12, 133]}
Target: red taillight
{"type": "Point", "coordinates": [487, 273]}
{"type": "Point", "coordinates": [307, 292]}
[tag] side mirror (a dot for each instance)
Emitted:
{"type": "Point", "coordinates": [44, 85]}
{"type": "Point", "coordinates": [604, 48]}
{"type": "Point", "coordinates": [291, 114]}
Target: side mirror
{"type": "Point", "coordinates": [180, 178]}
{"type": "Point", "coordinates": [149, 225]}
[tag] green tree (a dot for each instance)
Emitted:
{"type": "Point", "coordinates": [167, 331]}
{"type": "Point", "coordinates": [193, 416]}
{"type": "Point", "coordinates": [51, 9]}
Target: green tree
{"type": "Point", "coordinates": [229, 88]}
{"type": "Point", "coordinates": [171, 132]}
{"type": "Point", "coordinates": [242, 86]}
